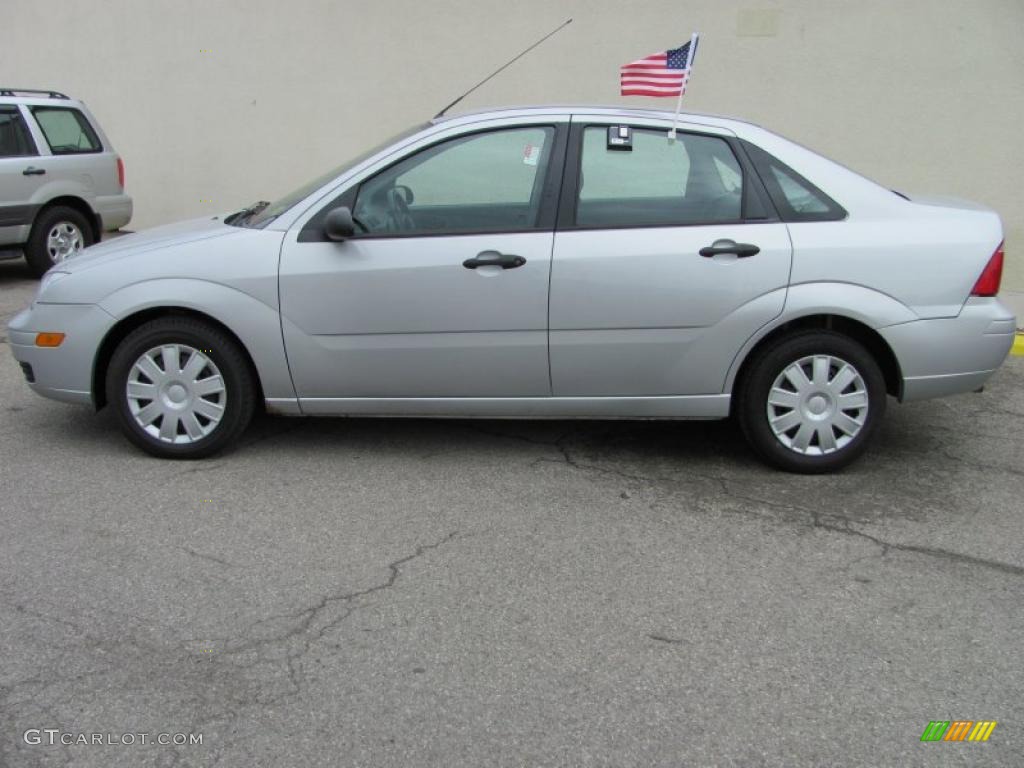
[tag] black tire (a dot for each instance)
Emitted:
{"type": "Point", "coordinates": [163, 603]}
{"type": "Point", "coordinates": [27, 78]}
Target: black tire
{"type": "Point", "coordinates": [757, 383]}
{"type": "Point", "coordinates": [36, 252]}
{"type": "Point", "coordinates": [234, 368]}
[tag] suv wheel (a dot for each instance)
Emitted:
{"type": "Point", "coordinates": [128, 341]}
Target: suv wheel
{"type": "Point", "coordinates": [58, 233]}
{"type": "Point", "coordinates": [811, 402]}
{"type": "Point", "coordinates": [180, 388]}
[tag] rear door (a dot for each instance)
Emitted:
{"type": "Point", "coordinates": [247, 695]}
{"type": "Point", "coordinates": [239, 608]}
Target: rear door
{"type": "Point", "coordinates": [667, 258]}
{"type": "Point", "coordinates": [72, 160]}
{"type": "Point", "coordinates": [19, 179]}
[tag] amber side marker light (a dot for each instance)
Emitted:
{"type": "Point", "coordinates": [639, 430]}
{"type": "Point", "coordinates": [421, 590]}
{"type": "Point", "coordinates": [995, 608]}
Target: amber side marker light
{"type": "Point", "coordinates": [49, 339]}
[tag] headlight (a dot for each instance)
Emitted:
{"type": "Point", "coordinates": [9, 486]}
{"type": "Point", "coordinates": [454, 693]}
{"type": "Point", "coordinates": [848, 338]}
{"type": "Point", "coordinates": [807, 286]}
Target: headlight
{"type": "Point", "coordinates": [49, 279]}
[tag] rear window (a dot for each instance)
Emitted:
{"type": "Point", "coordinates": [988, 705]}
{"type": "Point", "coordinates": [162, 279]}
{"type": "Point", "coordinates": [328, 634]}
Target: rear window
{"type": "Point", "coordinates": [66, 130]}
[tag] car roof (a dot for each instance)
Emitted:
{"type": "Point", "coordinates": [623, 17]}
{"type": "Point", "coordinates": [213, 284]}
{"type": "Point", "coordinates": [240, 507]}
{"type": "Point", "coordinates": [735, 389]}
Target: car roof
{"type": "Point", "coordinates": [593, 109]}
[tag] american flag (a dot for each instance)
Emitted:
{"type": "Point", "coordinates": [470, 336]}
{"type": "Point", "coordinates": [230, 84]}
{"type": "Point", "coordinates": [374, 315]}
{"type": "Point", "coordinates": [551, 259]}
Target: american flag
{"type": "Point", "coordinates": [660, 74]}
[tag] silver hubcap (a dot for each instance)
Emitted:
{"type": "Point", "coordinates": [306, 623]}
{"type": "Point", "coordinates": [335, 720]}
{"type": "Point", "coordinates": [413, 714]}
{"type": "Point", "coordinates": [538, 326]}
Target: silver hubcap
{"type": "Point", "coordinates": [176, 393]}
{"type": "Point", "coordinates": [817, 405]}
{"type": "Point", "coordinates": [65, 239]}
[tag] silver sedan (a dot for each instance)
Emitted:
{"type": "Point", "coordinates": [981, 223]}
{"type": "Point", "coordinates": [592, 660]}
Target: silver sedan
{"type": "Point", "coordinates": [542, 262]}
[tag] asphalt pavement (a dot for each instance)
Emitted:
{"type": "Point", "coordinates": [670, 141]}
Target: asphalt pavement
{"type": "Point", "coordinates": [482, 593]}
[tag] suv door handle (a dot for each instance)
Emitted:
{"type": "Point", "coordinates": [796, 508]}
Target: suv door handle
{"type": "Point", "coordinates": [494, 259]}
{"type": "Point", "coordinates": [742, 250]}
{"type": "Point", "coordinates": [33, 171]}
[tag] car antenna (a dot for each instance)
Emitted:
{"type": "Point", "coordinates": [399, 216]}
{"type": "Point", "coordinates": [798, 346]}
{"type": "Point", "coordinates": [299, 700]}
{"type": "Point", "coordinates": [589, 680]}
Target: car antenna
{"type": "Point", "coordinates": [503, 67]}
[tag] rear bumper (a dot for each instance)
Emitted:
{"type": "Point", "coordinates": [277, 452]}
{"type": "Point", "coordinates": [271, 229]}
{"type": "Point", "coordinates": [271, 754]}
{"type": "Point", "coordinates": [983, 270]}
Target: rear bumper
{"type": "Point", "coordinates": [65, 372]}
{"type": "Point", "coordinates": [114, 211]}
{"type": "Point", "coordinates": [952, 355]}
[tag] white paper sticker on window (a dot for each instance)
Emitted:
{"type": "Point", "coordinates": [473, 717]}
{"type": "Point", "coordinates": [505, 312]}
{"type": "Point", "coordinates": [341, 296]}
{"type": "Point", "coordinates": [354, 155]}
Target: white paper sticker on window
{"type": "Point", "coordinates": [531, 154]}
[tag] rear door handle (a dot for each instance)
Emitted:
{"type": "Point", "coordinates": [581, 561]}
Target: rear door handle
{"type": "Point", "coordinates": [494, 259]}
{"type": "Point", "coordinates": [33, 171]}
{"type": "Point", "coordinates": [742, 250]}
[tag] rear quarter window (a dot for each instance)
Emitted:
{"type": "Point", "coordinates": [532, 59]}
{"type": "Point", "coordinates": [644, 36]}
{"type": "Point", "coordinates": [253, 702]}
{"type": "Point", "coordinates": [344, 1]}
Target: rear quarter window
{"type": "Point", "coordinates": [796, 198]}
{"type": "Point", "coordinates": [67, 130]}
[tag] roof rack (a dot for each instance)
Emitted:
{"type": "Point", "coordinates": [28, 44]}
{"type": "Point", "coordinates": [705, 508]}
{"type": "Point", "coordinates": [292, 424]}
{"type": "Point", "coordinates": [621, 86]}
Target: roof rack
{"type": "Point", "coordinates": [15, 91]}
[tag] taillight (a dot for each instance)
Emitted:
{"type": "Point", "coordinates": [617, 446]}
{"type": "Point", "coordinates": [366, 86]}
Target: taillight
{"type": "Point", "coordinates": [991, 276]}
{"type": "Point", "coordinates": [120, 172]}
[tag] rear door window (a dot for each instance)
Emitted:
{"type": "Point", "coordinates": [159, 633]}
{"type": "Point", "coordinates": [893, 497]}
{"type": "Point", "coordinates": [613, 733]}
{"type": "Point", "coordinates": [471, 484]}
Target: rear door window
{"type": "Point", "coordinates": [14, 137]}
{"type": "Point", "coordinates": [66, 130]}
{"type": "Point", "coordinates": [694, 180]}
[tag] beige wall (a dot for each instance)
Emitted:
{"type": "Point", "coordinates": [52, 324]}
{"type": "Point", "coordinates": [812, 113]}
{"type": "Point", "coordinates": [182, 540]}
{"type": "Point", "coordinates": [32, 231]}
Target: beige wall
{"type": "Point", "coordinates": [215, 104]}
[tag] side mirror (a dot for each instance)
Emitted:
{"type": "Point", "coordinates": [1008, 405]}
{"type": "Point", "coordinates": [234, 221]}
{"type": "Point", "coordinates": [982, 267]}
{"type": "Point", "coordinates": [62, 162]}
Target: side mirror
{"type": "Point", "coordinates": [338, 224]}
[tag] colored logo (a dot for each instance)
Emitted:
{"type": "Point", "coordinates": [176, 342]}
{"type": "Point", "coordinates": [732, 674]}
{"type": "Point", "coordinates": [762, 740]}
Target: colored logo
{"type": "Point", "coordinates": [958, 730]}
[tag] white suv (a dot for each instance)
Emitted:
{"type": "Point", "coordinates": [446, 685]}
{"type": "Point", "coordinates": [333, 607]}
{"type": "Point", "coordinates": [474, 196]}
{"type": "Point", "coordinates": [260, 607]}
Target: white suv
{"type": "Point", "coordinates": [61, 183]}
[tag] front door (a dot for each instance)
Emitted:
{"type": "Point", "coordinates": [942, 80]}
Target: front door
{"type": "Point", "coordinates": [667, 259]}
{"type": "Point", "coordinates": [443, 291]}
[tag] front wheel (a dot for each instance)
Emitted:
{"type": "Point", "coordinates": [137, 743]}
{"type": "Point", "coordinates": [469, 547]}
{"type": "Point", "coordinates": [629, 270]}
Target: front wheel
{"type": "Point", "coordinates": [180, 388]}
{"type": "Point", "coordinates": [811, 402]}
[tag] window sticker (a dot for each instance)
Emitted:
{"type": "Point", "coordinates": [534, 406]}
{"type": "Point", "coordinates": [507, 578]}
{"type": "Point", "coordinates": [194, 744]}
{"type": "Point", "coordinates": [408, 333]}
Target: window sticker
{"type": "Point", "coordinates": [531, 153]}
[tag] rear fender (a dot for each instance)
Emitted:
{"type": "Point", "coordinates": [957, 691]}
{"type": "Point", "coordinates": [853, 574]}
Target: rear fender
{"type": "Point", "coordinates": [855, 302]}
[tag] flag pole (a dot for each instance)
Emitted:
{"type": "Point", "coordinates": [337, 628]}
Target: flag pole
{"type": "Point", "coordinates": [679, 101]}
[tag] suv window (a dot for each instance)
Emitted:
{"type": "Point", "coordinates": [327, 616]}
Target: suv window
{"type": "Point", "coordinates": [795, 197]}
{"type": "Point", "coordinates": [14, 138]}
{"type": "Point", "coordinates": [694, 180]}
{"type": "Point", "coordinates": [66, 130]}
{"type": "Point", "coordinates": [482, 182]}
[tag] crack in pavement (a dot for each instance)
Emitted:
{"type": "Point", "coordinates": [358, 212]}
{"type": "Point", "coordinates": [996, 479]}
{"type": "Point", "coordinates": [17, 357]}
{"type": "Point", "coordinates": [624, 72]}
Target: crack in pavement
{"type": "Point", "coordinates": [190, 471]}
{"type": "Point", "coordinates": [259, 689]}
{"type": "Point", "coordinates": [1012, 438]}
{"type": "Point", "coordinates": [977, 465]}
{"type": "Point", "coordinates": [817, 519]}
{"type": "Point", "coordinates": [211, 558]}
{"type": "Point", "coordinates": [663, 639]}
{"type": "Point", "coordinates": [306, 627]}
{"type": "Point", "coordinates": [307, 616]}
{"type": "Point", "coordinates": [945, 554]}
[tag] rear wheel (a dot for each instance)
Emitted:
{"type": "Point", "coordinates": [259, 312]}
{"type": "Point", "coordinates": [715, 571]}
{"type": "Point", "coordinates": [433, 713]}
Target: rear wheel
{"type": "Point", "coordinates": [180, 388]}
{"type": "Point", "coordinates": [58, 233]}
{"type": "Point", "coordinates": [811, 402]}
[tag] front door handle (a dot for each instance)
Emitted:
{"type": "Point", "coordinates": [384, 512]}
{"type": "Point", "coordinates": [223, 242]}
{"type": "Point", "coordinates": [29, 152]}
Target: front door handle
{"type": "Point", "coordinates": [494, 259]}
{"type": "Point", "coordinates": [33, 171]}
{"type": "Point", "coordinates": [742, 250]}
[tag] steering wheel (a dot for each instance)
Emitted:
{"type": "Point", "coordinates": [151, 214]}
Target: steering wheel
{"type": "Point", "coordinates": [399, 217]}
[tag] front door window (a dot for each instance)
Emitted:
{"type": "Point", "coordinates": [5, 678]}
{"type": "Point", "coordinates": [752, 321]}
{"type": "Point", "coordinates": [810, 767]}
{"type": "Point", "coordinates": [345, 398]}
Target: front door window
{"type": "Point", "coordinates": [484, 182]}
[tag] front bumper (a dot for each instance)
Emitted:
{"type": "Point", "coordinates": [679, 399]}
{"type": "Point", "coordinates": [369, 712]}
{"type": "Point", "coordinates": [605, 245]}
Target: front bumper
{"type": "Point", "coordinates": [952, 355]}
{"type": "Point", "coordinates": [64, 372]}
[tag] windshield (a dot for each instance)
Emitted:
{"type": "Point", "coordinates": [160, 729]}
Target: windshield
{"type": "Point", "coordinates": [276, 208]}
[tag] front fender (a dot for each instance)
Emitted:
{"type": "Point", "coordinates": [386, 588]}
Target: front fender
{"type": "Point", "coordinates": [256, 324]}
